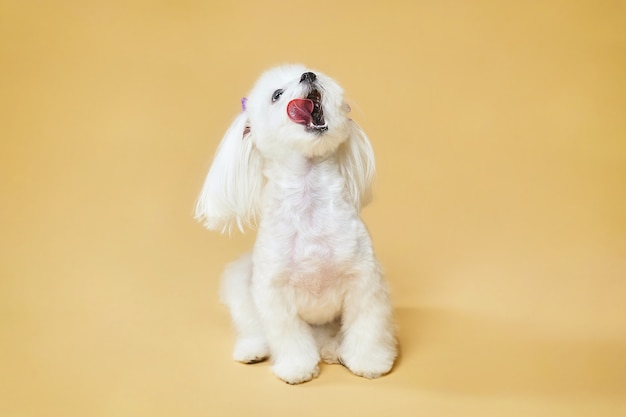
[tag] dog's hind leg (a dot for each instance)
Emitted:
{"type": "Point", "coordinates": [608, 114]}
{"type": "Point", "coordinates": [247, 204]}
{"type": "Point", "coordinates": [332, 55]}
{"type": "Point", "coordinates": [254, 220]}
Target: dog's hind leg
{"type": "Point", "coordinates": [251, 345]}
{"type": "Point", "coordinates": [327, 339]}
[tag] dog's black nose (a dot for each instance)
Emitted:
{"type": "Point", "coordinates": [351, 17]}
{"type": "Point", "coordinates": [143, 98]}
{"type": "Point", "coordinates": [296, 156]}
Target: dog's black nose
{"type": "Point", "coordinates": [308, 77]}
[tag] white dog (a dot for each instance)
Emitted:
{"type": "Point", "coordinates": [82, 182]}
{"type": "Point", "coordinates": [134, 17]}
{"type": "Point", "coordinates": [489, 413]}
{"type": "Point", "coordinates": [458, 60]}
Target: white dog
{"type": "Point", "coordinates": [294, 164]}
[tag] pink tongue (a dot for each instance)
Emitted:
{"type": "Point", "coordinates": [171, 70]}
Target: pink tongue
{"type": "Point", "coordinates": [299, 110]}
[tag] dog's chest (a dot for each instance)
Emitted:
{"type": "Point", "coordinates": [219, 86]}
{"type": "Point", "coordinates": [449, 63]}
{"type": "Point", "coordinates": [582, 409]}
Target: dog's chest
{"type": "Point", "coordinates": [315, 231]}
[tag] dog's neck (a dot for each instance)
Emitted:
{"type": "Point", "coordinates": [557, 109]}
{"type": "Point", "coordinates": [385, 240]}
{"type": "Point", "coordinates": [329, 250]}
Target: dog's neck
{"type": "Point", "coordinates": [296, 171]}
{"type": "Point", "coordinates": [303, 190]}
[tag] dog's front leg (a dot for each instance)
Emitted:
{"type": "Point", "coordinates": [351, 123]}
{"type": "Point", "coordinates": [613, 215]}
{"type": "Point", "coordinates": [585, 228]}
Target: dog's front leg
{"type": "Point", "coordinates": [368, 342]}
{"type": "Point", "coordinates": [293, 350]}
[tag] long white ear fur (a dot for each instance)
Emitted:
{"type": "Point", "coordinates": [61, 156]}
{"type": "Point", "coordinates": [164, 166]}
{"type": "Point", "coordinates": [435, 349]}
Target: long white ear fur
{"type": "Point", "coordinates": [232, 189]}
{"type": "Point", "coordinates": [357, 166]}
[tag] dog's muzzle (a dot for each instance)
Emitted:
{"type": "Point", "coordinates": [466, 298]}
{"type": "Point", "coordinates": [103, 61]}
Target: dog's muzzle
{"type": "Point", "coordinates": [308, 111]}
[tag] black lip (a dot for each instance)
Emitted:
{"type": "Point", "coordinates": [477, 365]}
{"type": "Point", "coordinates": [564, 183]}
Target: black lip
{"type": "Point", "coordinates": [319, 124]}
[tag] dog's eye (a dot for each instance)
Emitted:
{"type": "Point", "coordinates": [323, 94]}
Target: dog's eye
{"type": "Point", "coordinates": [276, 95]}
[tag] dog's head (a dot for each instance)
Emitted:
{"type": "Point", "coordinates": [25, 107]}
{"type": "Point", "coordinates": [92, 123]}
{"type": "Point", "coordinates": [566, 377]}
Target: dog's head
{"type": "Point", "coordinates": [292, 112]}
{"type": "Point", "coordinates": [292, 108]}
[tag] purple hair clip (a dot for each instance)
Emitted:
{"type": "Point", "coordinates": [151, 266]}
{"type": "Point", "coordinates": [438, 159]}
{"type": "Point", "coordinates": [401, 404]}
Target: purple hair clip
{"type": "Point", "coordinates": [244, 100]}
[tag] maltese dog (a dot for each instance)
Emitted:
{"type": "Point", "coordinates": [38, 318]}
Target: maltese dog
{"type": "Point", "coordinates": [294, 165]}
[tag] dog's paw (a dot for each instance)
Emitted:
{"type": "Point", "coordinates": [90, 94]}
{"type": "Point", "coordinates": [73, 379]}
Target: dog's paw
{"type": "Point", "coordinates": [369, 365]}
{"type": "Point", "coordinates": [295, 372]}
{"type": "Point", "coordinates": [367, 370]}
{"type": "Point", "coordinates": [251, 350]}
{"type": "Point", "coordinates": [328, 353]}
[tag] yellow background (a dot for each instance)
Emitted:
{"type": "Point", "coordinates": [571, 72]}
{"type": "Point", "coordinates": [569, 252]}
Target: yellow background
{"type": "Point", "coordinates": [499, 212]}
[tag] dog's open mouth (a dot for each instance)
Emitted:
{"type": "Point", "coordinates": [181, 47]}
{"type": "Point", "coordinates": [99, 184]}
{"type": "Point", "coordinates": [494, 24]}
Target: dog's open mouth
{"type": "Point", "coordinates": [308, 111]}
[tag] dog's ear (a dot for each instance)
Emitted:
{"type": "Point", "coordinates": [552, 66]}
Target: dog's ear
{"type": "Point", "coordinates": [232, 189]}
{"type": "Point", "coordinates": [357, 165]}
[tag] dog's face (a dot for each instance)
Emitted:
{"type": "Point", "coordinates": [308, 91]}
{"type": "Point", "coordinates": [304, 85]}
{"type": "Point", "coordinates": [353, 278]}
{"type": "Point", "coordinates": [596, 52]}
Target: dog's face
{"type": "Point", "coordinates": [292, 108]}
{"type": "Point", "coordinates": [290, 114]}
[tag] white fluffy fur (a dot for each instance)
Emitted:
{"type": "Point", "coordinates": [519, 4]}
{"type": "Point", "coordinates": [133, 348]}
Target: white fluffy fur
{"type": "Point", "coordinates": [311, 289]}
